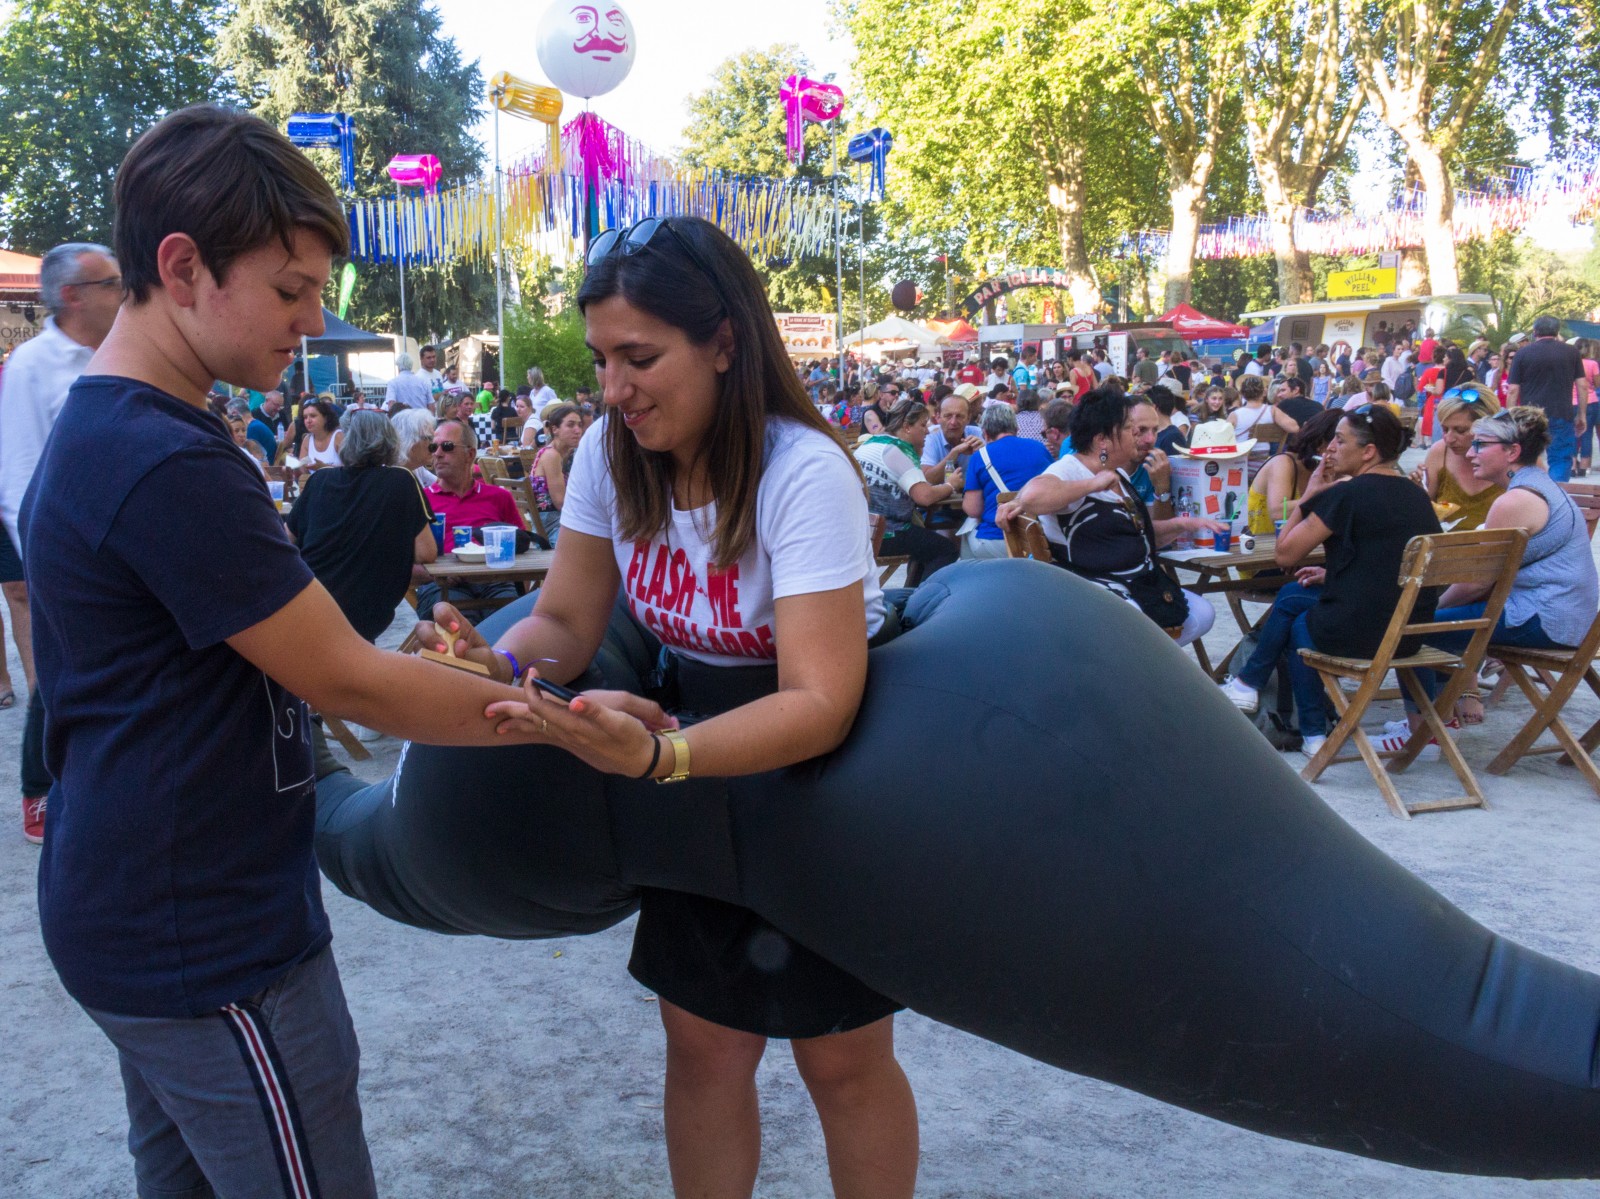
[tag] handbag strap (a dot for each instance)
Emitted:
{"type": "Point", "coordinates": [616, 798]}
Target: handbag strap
{"type": "Point", "coordinates": [999, 483]}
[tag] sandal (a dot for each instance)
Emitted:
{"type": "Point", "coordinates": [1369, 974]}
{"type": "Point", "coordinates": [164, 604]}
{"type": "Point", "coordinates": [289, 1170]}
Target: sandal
{"type": "Point", "coordinates": [1469, 709]}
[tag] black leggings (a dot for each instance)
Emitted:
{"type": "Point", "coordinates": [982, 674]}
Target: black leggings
{"type": "Point", "coordinates": [928, 551]}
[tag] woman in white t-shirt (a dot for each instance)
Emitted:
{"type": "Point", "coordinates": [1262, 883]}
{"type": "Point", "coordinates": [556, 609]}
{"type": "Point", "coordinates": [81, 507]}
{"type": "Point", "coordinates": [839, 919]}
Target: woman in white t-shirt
{"type": "Point", "coordinates": [891, 465]}
{"type": "Point", "coordinates": [734, 523]}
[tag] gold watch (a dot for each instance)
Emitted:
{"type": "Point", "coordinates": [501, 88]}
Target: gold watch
{"type": "Point", "coordinates": [680, 756]}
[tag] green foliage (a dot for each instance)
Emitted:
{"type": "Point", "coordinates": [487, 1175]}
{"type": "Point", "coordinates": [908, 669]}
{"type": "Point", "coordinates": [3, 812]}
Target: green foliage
{"type": "Point", "coordinates": [553, 343]}
{"type": "Point", "coordinates": [385, 63]}
{"type": "Point", "coordinates": [1528, 280]}
{"type": "Point", "coordinates": [79, 81]}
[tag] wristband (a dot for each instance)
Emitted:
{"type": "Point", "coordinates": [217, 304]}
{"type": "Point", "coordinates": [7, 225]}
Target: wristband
{"type": "Point", "coordinates": [516, 667]}
{"type": "Point", "coordinates": [655, 758]}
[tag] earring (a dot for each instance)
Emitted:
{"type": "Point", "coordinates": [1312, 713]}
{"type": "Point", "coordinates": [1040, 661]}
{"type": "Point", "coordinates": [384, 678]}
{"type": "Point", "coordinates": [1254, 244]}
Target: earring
{"type": "Point", "coordinates": [1102, 457]}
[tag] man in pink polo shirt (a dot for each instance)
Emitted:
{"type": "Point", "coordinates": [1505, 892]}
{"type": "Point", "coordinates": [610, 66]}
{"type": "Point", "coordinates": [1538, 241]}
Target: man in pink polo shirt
{"type": "Point", "coordinates": [464, 499]}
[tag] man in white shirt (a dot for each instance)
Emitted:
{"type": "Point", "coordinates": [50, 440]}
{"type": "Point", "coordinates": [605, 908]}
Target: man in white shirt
{"type": "Point", "coordinates": [430, 371]}
{"type": "Point", "coordinates": [82, 289]}
{"type": "Point", "coordinates": [1394, 365]}
{"type": "Point", "coordinates": [952, 440]}
{"type": "Point", "coordinates": [408, 388]}
{"type": "Point", "coordinates": [999, 374]}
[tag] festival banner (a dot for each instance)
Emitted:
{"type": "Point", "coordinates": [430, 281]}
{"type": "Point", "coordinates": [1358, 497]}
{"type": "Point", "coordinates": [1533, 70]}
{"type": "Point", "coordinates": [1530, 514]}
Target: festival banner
{"type": "Point", "coordinates": [1362, 285]}
{"type": "Point", "coordinates": [807, 334]}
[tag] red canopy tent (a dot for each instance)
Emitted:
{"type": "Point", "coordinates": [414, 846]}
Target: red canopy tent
{"type": "Point", "coordinates": [19, 274]}
{"type": "Point", "coordinates": [1193, 324]}
{"type": "Point", "coordinates": [955, 330]}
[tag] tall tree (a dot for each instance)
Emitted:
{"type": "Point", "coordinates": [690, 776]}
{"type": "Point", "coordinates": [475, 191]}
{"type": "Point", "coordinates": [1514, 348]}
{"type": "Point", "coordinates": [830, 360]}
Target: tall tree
{"type": "Point", "coordinates": [1427, 98]}
{"type": "Point", "coordinates": [1301, 101]}
{"type": "Point", "coordinates": [79, 81]}
{"type": "Point", "coordinates": [1001, 130]}
{"type": "Point", "coordinates": [386, 63]}
{"type": "Point", "coordinates": [1182, 59]}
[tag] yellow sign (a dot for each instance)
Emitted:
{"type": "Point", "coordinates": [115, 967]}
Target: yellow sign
{"type": "Point", "coordinates": [1361, 285]}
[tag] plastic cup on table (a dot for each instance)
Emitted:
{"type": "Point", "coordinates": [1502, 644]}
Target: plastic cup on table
{"type": "Point", "coordinates": [460, 535]}
{"type": "Point", "coordinates": [1222, 540]}
{"type": "Point", "coordinates": [1277, 527]}
{"type": "Point", "coordinates": [438, 531]}
{"type": "Point", "coordinates": [501, 543]}
{"type": "Point", "coordinates": [275, 489]}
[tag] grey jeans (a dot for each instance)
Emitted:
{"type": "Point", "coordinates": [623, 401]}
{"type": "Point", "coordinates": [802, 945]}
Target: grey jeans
{"type": "Point", "coordinates": [256, 1101]}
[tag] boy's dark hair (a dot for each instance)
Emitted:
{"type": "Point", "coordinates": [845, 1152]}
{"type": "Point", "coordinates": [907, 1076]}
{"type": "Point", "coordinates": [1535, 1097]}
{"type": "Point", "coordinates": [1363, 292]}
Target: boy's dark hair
{"type": "Point", "coordinates": [227, 179]}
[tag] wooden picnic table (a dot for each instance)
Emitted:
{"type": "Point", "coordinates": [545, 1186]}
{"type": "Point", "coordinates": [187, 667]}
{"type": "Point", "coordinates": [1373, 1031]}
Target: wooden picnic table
{"type": "Point", "coordinates": [528, 567]}
{"type": "Point", "coordinates": [1224, 574]}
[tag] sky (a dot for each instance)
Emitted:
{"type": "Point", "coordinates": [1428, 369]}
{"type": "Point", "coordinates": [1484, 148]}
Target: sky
{"type": "Point", "coordinates": [679, 46]}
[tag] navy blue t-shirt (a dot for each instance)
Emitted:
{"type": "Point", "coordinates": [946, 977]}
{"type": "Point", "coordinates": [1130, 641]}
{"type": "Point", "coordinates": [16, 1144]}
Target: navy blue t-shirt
{"type": "Point", "coordinates": [178, 873]}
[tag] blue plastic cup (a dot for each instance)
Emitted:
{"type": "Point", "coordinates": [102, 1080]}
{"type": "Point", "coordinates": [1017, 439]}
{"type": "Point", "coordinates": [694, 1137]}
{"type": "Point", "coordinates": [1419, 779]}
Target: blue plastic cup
{"type": "Point", "coordinates": [438, 532]}
{"type": "Point", "coordinates": [460, 535]}
{"type": "Point", "coordinates": [1222, 540]}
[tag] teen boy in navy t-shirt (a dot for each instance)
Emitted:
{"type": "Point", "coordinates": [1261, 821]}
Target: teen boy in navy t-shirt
{"type": "Point", "coordinates": [179, 638]}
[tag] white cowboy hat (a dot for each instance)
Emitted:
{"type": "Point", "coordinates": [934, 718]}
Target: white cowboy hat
{"type": "Point", "coordinates": [966, 391]}
{"type": "Point", "coordinates": [1215, 439]}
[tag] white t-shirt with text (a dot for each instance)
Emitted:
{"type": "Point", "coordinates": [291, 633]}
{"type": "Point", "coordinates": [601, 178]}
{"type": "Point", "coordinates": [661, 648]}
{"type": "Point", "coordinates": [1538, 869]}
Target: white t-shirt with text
{"type": "Point", "coordinates": [812, 535]}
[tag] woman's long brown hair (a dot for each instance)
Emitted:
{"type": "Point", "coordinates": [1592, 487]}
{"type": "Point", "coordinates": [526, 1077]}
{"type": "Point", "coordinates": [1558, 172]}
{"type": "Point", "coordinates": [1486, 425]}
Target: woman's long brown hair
{"type": "Point", "coordinates": [696, 294]}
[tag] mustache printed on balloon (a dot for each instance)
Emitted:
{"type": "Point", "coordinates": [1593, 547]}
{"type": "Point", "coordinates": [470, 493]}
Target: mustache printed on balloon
{"type": "Point", "coordinates": [596, 43]}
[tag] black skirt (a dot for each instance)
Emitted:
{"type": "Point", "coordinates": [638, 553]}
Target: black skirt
{"type": "Point", "coordinates": [722, 962]}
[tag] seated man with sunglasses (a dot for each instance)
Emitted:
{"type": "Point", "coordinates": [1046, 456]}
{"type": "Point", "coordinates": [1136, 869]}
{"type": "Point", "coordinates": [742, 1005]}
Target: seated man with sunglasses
{"type": "Point", "coordinates": [465, 501]}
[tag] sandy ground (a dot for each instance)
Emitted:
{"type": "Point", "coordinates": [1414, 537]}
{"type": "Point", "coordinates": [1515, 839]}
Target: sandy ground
{"type": "Point", "coordinates": [534, 1069]}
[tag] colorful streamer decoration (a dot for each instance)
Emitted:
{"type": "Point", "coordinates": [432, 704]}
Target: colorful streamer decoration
{"type": "Point", "coordinates": [1501, 205]}
{"type": "Point", "coordinates": [328, 130]}
{"type": "Point", "coordinates": [531, 102]}
{"type": "Point", "coordinates": [771, 218]}
{"type": "Point", "coordinates": [873, 147]}
{"type": "Point", "coordinates": [347, 287]}
{"type": "Point", "coordinates": [807, 100]}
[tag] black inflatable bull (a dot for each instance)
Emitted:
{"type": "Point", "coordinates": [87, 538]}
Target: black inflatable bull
{"type": "Point", "coordinates": [1004, 844]}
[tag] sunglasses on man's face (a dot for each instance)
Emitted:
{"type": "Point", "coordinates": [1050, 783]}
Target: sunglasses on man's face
{"type": "Point", "coordinates": [448, 447]}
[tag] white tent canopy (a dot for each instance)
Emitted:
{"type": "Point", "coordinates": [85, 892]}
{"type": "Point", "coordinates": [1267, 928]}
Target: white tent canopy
{"type": "Point", "coordinates": [898, 329]}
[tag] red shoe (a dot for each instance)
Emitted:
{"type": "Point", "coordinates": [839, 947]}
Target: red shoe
{"type": "Point", "coordinates": [33, 819]}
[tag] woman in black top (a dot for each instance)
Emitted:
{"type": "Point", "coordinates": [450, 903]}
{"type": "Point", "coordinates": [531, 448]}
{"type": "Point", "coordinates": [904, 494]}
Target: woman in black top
{"type": "Point", "coordinates": [363, 524]}
{"type": "Point", "coordinates": [1360, 505]}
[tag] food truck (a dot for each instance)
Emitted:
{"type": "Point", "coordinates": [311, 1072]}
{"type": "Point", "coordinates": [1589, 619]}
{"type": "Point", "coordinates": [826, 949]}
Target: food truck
{"type": "Point", "coordinates": [1119, 341]}
{"type": "Point", "coordinates": [1351, 324]}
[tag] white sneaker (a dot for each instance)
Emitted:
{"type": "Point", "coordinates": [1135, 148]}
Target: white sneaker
{"type": "Point", "coordinates": [1392, 728]}
{"type": "Point", "coordinates": [1245, 697]}
{"type": "Point", "coordinates": [1310, 745]}
{"type": "Point", "coordinates": [1394, 740]}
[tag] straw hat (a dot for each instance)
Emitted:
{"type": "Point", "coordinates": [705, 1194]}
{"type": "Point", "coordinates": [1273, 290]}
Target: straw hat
{"type": "Point", "coordinates": [1215, 439]}
{"type": "Point", "coordinates": [967, 391]}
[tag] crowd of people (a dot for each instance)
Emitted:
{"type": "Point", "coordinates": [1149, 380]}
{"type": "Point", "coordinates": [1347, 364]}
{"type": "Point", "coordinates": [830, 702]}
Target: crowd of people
{"type": "Point", "coordinates": [727, 498]}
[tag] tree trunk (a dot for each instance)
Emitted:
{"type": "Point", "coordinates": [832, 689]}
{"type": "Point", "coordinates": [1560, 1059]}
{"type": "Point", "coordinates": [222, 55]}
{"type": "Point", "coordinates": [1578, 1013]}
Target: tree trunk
{"type": "Point", "coordinates": [1438, 232]}
{"type": "Point", "coordinates": [1188, 204]}
{"type": "Point", "coordinates": [1294, 265]}
{"type": "Point", "coordinates": [1068, 200]}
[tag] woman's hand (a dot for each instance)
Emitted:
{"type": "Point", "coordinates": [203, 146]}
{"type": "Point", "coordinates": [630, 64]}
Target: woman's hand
{"type": "Point", "coordinates": [613, 731]}
{"type": "Point", "coordinates": [1107, 480]}
{"type": "Point", "coordinates": [1009, 511]}
{"type": "Point", "coordinates": [1311, 576]}
{"type": "Point", "coordinates": [449, 630]}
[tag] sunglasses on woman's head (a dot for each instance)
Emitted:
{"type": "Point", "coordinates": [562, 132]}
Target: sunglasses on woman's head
{"type": "Point", "coordinates": [636, 238]}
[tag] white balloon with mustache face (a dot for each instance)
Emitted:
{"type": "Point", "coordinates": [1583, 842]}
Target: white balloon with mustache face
{"type": "Point", "coordinates": [586, 49]}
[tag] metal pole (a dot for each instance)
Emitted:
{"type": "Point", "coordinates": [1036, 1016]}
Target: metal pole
{"type": "Point", "coordinates": [838, 256]}
{"type": "Point", "coordinates": [499, 252]}
{"type": "Point", "coordinates": [400, 259]}
{"type": "Point", "coordinates": [861, 247]}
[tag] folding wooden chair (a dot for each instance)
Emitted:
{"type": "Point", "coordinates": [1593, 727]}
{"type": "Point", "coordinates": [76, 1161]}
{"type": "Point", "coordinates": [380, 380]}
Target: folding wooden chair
{"type": "Point", "coordinates": [886, 566]}
{"type": "Point", "coordinates": [1476, 557]}
{"type": "Point", "coordinates": [1024, 538]}
{"type": "Point", "coordinates": [494, 471]}
{"type": "Point", "coordinates": [342, 734]}
{"type": "Point", "coordinates": [1587, 497]}
{"type": "Point", "coordinates": [1564, 669]}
